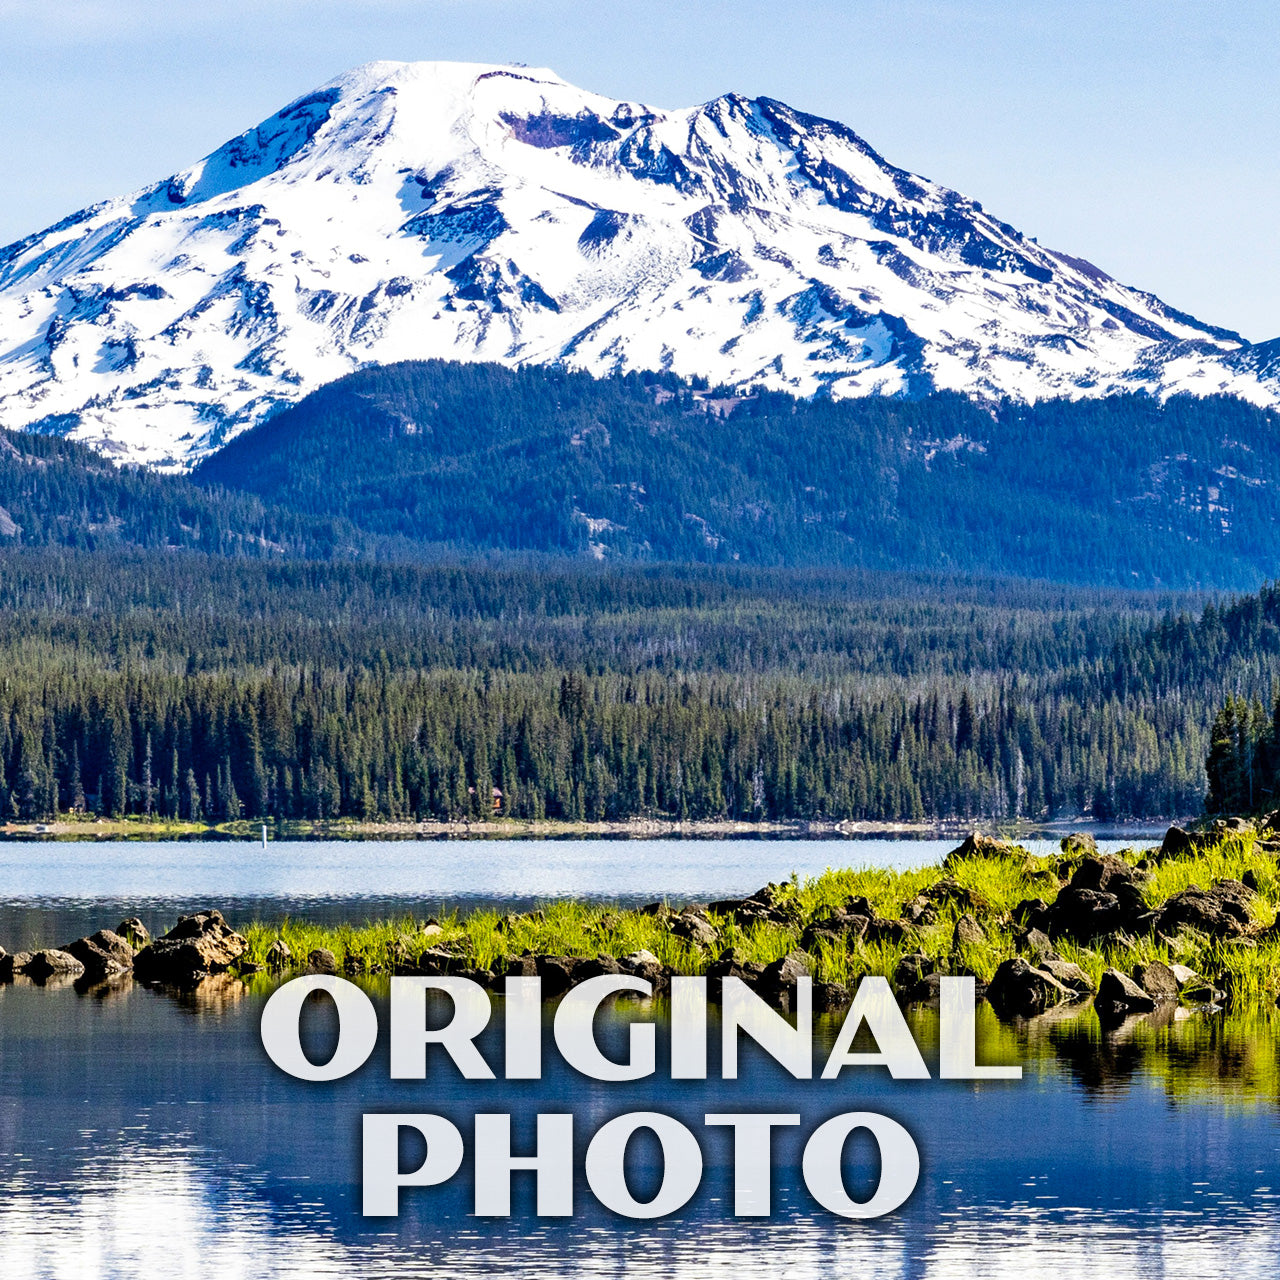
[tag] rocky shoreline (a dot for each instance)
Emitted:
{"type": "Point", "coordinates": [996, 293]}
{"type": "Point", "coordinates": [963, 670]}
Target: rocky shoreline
{"type": "Point", "coordinates": [1045, 952]}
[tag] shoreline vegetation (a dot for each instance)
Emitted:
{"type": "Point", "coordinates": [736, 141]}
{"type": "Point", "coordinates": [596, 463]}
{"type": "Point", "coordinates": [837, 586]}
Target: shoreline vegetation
{"type": "Point", "coordinates": [1191, 924]}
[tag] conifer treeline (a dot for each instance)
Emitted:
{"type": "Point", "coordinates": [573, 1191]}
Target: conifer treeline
{"type": "Point", "coordinates": [321, 744]}
{"type": "Point", "coordinates": [198, 687]}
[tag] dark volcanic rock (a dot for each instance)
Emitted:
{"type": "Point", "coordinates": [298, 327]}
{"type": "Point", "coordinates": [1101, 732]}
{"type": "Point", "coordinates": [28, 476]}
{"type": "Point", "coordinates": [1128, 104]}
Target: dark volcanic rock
{"type": "Point", "coordinates": [967, 933]}
{"type": "Point", "coordinates": [694, 927]}
{"type": "Point", "coordinates": [913, 966]}
{"type": "Point", "coordinates": [644, 964]}
{"type": "Point", "coordinates": [53, 964]}
{"type": "Point", "coordinates": [279, 955]}
{"type": "Point", "coordinates": [15, 964]}
{"type": "Point", "coordinates": [104, 955]}
{"type": "Point", "coordinates": [559, 973]}
{"type": "Point", "coordinates": [1085, 914]}
{"type": "Point", "coordinates": [1104, 873]}
{"type": "Point", "coordinates": [134, 932]}
{"type": "Point", "coordinates": [1072, 976]}
{"type": "Point", "coordinates": [1119, 995]}
{"type": "Point", "coordinates": [830, 997]}
{"type": "Point", "coordinates": [977, 845]}
{"type": "Point", "coordinates": [784, 972]}
{"type": "Point", "coordinates": [1033, 914]}
{"type": "Point", "coordinates": [731, 964]}
{"type": "Point", "coordinates": [920, 911]}
{"type": "Point", "coordinates": [1177, 842]}
{"type": "Point", "coordinates": [1037, 945]}
{"type": "Point", "coordinates": [1079, 844]}
{"type": "Point", "coordinates": [766, 905]}
{"type": "Point", "coordinates": [1158, 980]}
{"type": "Point", "coordinates": [1221, 912]}
{"type": "Point", "coordinates": [322, 960]}
{"type": "Point", "coordinates": [929, 988]}
{"type": "Point", "coordinates": [1020, 990]}
{"type": "Point", "coordinates": [198, 944]}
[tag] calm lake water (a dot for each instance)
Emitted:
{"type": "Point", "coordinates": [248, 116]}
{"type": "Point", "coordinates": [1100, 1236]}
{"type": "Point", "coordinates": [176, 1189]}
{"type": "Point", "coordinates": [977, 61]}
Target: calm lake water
{"type": "Point", "coordinates": [147, 1134]}
{"type": "Point", "coordinates": [51, 891]}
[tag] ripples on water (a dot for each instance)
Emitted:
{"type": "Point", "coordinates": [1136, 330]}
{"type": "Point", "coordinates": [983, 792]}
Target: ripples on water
{"type": "Point", "coordinates": [146, 1134]}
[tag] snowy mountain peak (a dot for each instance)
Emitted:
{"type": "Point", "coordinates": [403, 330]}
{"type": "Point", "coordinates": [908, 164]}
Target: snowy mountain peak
{"type": "Point", "coordinates": [484, 212]}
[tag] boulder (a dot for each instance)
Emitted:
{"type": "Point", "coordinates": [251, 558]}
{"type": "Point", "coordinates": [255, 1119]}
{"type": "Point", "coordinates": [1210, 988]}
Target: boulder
{"type": "Point", "coordinates": [967, 933]}
{"type": "Point", "coordinates": [913, 966]}
{"type": "Point", "coordinates": [1104, 873]}
{"type": "Point", "coordinates": [434, 962]}
{"type": "Point", "coordinates": [322, 960]}
{"type": "Point", "coordinates": [976, 845]}
{"type": "Point", "coordinates": [1220, 912]}
{"type": "Point", "coordinates": [766, 905]}
{"type": "Point", "coordinates": [15, 964]}
{"type": "Point", "coordinates": [525, 966]}
{"type": "Point", "coordinates": [777, 983]}
{"type": "Point", "coordinates": [855, 921]}
{"type": "Point", "coordinates": [731, 964]}
{"type": "Point", "coordinates": [1085, 913]}
{"type": "Point", "coordinates": [1118, 995]}
{"type": "Point", "coordinates": [1033, 914]}
{"type": "Point", "coordinates": [1158, 980]}
{"type": "Point", "coordinates": [644, 964]}
{"type": "Point", "coordinates": [949, 889]}
{"type": "Point", "coordinates": [558, 974]}
{"type": "Point", "coordinates": [929, 988]}
{"type": "Point", "coordinates": [784, 972]}
{"type": "Point", "coordinates": [1037, 945]}
{"type": "Point", "coordinates": [198, 944]}
{"type": "Point", "coordinates": [134, 932]}
{"type": "Point", "coordinates": [1178, 843]}
{"type": "Point", "coordinates": [1184, 975]}
{"type": "Point", "coordinates": [694, 927]}
{"type": "Point", "coordinates": [1072, 976]}
{"type": "Point", "coordinates": [279, 955]}
{"type": "Point", "coordinates": [1079, 844]}
{"type": "Point", "coordinates": [920, 911]}
{"type": "Point", "coordinates": [103, 955]}
{"type": "Point", "coordinates": [926, 990]}
{"type": "Point", "coordinates": [53, 964]}
{"type": "Point", "coordinates": [1020, 990]}
{"type": "Point", "coordinates": [830, 997]}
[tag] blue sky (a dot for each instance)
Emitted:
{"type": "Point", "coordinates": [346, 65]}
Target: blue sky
{"type": "Point", "coordinates": [1143, 134]}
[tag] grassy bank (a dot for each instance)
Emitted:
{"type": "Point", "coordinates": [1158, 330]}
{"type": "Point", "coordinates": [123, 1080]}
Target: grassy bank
{"type": "Point", "coordinates": [987, 889]}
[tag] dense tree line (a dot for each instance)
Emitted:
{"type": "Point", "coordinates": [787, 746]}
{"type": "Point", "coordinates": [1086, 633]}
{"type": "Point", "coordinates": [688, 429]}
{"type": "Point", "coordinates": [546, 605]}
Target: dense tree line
{"type": "Point", "coordinates": [317, 744]}
{"type": "Point", "coordinates": [185, 685]}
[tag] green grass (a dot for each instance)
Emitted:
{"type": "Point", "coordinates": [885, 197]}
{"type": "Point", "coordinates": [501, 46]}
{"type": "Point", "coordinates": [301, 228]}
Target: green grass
{"type": "Point", "coordinates": [991, 888]}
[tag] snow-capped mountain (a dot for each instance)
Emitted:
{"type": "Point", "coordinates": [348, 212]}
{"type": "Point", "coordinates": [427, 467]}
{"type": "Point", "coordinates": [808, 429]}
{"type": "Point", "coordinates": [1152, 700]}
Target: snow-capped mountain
{"type": "Point", "coordinates": [414, 210]}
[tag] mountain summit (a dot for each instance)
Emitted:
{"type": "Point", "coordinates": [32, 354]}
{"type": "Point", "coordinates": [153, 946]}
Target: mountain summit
{"type": "Point", "coordinates": [470, 212]}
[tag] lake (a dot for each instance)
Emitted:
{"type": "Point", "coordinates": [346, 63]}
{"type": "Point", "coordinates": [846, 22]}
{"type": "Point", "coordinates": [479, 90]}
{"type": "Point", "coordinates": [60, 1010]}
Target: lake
{"type": "Point", "coordinates": [146, 1133]}
{"type": "Point", "coordinates": [52, 891]}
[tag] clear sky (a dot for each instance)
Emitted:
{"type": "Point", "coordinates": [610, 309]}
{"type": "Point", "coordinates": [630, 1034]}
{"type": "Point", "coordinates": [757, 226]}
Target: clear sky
{"type": "Point", "coordinates": [1142, 134]}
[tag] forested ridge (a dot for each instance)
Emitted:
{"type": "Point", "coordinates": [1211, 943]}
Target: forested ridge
{"type": "Point", "coordinates": [190, 686]}
{"type": "Point", "coordinates": [422, 459]}
{"type": "Point", "coordinates": [1123, 490]}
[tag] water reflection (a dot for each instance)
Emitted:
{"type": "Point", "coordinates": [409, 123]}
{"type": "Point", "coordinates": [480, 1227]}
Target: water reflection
{"type": "Point", "coordinates": [143, 1132]}
{"type": "Point", "coordinates": [224, 1222]}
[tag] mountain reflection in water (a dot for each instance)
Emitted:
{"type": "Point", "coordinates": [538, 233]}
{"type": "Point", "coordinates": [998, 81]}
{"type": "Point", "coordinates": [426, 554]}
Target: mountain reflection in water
{"type": "Point", "coordinates": [144, 1132]}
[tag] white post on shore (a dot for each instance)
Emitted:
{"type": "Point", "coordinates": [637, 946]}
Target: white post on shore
{"type": "Point", "coordinates": [264, 835]}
